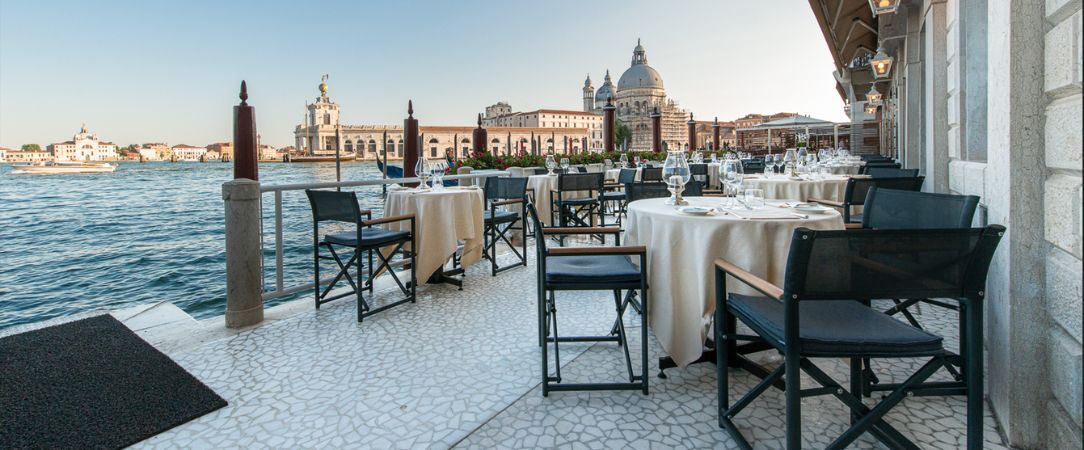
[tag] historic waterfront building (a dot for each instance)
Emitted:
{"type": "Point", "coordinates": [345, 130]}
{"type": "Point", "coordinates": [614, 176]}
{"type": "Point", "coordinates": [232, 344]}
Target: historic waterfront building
{"type": "Point", "coordinates": [534, 132]}
{"type": "Point", "coordinates": [84, 146]}
{"type": "Point", "coordinates": [184, 152]}
{"type": "Point", "coordinates": [639, 93]}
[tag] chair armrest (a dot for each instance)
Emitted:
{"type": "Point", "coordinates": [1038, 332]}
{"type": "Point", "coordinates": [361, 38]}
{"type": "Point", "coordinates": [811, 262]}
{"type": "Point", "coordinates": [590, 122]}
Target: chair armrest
{"type": "Point", "coordinates": [625, 250]}
{"type": "Point", "coordinates": [368, 213]}
{"type": "Point", "coordinates": [507, 202]}
{"type": "Point", "coordinates": [384, 220]}
{"type": "Point", "coordinates": [826, 202]}
{"type": "Point", "coordinates": [852, 226]}
{"type": "Point", "coordinates": [581, 230]}
{"type": "Point", "coordinates": [755, 282]}
{"type": "Point", "coordinates": [613, 186]}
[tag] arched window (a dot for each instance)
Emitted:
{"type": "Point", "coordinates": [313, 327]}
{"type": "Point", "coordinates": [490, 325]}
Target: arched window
{"type": "Point", "coordinates": [348, 145]}
{"type": "Point", "coordinates": [372, 146]}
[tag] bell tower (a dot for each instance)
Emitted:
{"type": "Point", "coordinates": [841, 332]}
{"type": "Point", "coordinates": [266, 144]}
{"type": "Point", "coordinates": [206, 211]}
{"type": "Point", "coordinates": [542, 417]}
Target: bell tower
{"type": "Point", "coordinates": [588, 95]}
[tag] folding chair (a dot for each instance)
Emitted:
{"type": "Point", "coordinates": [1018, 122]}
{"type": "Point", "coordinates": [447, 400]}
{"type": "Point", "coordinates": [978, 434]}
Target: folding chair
{"type": "Point", "coordinates": [890, 209]}
{"type": "Point", "coordinates": [815, 315]}
{"type": "Point", "coordinates": [855, 194]}
{"type": "Point", "coordinates": [589, 269]}
{"type": "Point", "coordinates": [334, 206]}
{"type": "Point", "coordinates": [651, 174]}
{"type": "Point", "coordinates": [500, 194]}
{"type": "Point", "coordinates": [575, 201]}
{"type": "Point", "coordinates": [879, 164]}
{"type": "Point", "coordinates": [612, 196]}
{"type": "Point", "coordinates": [891, 172]}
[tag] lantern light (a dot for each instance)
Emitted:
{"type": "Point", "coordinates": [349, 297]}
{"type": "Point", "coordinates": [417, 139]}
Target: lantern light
{"type": "Point", "coordinates": [847, 107]}
{"type": "Point", "coordinates": [871, 109]}
{"type": "Point", "coordinates": [881, 63]}
{"type": "Point", "coordinates": [873, 96]}
{"type": "Point", "coordinates": [884, 6]}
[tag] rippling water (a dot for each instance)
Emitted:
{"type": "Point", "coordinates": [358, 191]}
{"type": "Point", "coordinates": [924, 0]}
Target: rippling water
{"type": "Point", "coordinates": [145, 233]}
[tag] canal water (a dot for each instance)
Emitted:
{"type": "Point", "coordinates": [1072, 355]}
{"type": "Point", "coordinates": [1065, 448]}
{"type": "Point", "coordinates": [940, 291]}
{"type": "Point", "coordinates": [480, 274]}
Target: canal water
{"type": "Point", "coordinates": [148, 232]}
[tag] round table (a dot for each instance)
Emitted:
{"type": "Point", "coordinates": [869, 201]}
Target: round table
{"type": "Point", "coordinates": [442, 219]}
{"type": "Point", "coordinates": [681, 250]}
{"type": "Point", "coordinates": [844, 169]}
{"type": "Point", "coordinates": [779, 187]}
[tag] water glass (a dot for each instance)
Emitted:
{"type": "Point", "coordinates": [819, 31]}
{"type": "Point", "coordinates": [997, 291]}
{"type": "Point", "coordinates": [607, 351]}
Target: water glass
{"type": "Point", "coordinates": [754, 198]}
{"type": "Point", "coordinates": [423, 169]}
{"type": "Point", "coordinates": [550, 164]}
{"type": "Point", "coordinates": [564, 165]}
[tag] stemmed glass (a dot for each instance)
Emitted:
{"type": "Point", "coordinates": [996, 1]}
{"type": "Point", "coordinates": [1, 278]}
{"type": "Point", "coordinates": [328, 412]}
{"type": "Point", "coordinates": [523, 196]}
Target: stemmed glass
{"type": "Point", "coordinates": [423, 169]}
{"type": "Point", "coordinates": [731, 174]}
{"type": "Point", "coordinates": [790, 159]}
{"type": "Point", "coordinates": [550, 164]}
{"type": "Point", "coordinates": [564, 165]}
{"type": "Point", "coordinates": [438, 177]}
{"type": "Point", "coordinates": [624, 161]}
{"type": "Point", "coordinates": [675, 171]}
{"type": "Point", "coordinates": [714, 158]}
{"type": "Point", "coordinates": [636, 160]}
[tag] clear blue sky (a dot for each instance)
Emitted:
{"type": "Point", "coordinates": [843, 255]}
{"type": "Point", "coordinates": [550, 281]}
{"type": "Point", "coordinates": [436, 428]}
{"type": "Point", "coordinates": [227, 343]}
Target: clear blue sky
{"type": "Point", "coordinates": [142, 71]}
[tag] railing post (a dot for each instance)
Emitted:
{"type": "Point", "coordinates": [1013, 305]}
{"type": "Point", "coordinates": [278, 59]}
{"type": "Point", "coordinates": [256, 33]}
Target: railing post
{"type": "Point", "coordinates": [608, 126]}
{"type": "Point", "coordinates": [692, 133]}
{"type": "Point", "coordinates": [656, 131]}
{"type": "Point", "coordinates": [244, 256]}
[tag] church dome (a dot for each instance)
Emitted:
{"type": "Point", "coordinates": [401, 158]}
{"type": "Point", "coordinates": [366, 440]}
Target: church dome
{"type": "Point", "coordinates": [640, 75]}
{"type": "Point", "coordinates": [605, 92]}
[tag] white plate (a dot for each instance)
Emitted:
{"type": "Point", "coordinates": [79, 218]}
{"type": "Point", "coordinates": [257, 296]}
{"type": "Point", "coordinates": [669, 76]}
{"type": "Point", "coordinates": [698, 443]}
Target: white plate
{"type": "Point", "coordinates": [696, 210]}
{"type": "Point", "coordinates": [813, 209]}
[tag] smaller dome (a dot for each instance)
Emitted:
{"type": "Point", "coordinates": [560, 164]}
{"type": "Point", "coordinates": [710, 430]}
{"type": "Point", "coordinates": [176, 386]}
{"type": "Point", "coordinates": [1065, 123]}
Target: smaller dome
{"type": "Point", "coordinates": [323, 88]}
{"type": "Point", "coordinates": [606, 91]}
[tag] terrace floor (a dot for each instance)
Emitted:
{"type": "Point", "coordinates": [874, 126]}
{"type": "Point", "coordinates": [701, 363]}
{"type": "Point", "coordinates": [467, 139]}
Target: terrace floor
{"type": "Point", "coordinates": [462, 369]}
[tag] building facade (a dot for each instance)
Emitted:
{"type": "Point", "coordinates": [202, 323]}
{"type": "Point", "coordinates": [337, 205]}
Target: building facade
{"type": "Point", "coordinates": [638, 93]}
{"type": "Point", "coordinates": [985, 99]}
{"type": "Point", "coordinates": [84, 146]}
{"type": "Point", "coordinates": [184, 152]}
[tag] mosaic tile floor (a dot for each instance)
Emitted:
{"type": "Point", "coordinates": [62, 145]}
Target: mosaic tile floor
{"type": "Point", "coordinates": [461, 369]}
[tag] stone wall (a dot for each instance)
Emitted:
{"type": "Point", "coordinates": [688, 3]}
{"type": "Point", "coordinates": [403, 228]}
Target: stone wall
{"type": "Point", "coordinates": [1062, 221]}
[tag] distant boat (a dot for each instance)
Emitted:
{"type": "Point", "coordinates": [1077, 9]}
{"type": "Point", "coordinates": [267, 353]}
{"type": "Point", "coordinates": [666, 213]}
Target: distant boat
{"type": "Point", "coordinates": [397, 172]}
{"type": "Point", "coordinates": [58, 167]}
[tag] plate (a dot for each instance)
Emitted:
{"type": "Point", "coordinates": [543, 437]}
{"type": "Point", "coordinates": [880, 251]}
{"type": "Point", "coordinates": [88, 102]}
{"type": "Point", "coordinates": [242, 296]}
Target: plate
{"type": "Point", "coordinates": [696, 210]}
{"type": "Point", "coordinates": [813, 209]}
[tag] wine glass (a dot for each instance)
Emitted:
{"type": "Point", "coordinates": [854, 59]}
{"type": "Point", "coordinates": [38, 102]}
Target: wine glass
{"type": "Point", "coordinates": [636, 160]}
{"type": "Point", "coordinates": [423, 169]}
{"type": "Point", "coordinates": [731, 174]}
{"type": "Point", "coordinates": [550, 164]}
{"type": "Point", "coordinates": [438, 177]}
{"type": "Point", "coordinates": [564, 165]}
{"type": "Point", "coordinates": [624, 161]}
{"type": "Point", "coordinates": [790, 159]}
{"type": "Point", "coordinates": [714, 158]}
{"type": "Point", "coordinates": [675, 171]}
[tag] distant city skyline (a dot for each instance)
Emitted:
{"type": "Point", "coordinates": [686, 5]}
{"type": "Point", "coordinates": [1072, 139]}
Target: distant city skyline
{"type": "Point", "coordinates": [136, 72]}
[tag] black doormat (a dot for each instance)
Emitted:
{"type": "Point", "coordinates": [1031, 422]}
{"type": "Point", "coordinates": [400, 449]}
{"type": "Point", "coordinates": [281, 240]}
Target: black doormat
{"type": "Point", "coordinates": [92, 383]}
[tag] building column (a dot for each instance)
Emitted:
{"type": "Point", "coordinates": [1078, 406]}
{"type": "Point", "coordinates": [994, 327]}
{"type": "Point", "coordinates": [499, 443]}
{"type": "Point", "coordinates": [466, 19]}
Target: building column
{"type": "Point", "coordinates": [1016, 320]}
{"type": "Point", "coordinates": [936, 98]}
{"type": "Point", "coordinates": [911, 149]}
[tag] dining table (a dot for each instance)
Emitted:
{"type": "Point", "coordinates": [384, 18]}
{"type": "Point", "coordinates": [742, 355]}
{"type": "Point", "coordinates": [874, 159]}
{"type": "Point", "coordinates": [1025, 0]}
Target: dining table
{"type": "Point", "coordinates": [613, 174]}
{"type": "Point", "coordinates": [682, 248]}
{"type": "Point", "coordinates": [542, 187]}
{"type": "Point", "coordinates": [785, 187]}
{"type": "Point", "coordinates": [445, 217]}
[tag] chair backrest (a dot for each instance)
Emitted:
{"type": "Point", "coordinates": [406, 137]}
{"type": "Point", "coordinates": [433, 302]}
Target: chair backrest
{"type": "Point", "coordinates": [580, 182]}
{"type": "Point", "coordinates": [874, 164]}
{"type": "Point", "coordinates": [869, 264]}
{"type": "Point", "coordinates": [643, 190]}
{"type": "Point", "coordinates": [896, 209]}
{"type": "Point", "coordinates": [651, 174]}
{"type": "Point", "coordinates": [698, 169]}
{"type": "Point", "coordinates": [857, 188]}
{"type": "Point", "coordinates": [874, 158]}
{"type": "Point", "coordinates": [626, 176]}
{"type": "Point", "coordinates": [890, 172]}
{"type": "Point", "coordinates": [334, 206]}
{"type": "Point", "coordinates": [506, 188]}
{"type": "Point", "coordinates": [541, 171]}
{"type": "Point", "coordinates": [694, 188]}
{"type": "Point", "coordinates": [581, 169]}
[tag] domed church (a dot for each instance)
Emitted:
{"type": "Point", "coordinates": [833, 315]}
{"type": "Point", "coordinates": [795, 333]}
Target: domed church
{"type": "Point", "coordinates": [640, 91]}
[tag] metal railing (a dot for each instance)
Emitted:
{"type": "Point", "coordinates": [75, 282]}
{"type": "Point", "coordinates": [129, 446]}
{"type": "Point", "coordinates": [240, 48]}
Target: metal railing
{"type": "Point", "coordinates": [280, 289]}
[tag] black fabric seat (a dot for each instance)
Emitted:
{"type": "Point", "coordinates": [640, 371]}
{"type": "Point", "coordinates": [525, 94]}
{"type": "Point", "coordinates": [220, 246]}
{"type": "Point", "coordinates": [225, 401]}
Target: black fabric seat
{"type": "Point", "coordinates": [836, 327]}
{"type": "Point", "coordinates": [500, 216]}
{"type": "Point", "coordinates": [591, 269]}
{"type": "Point", "coordinates": [579, 201]}
{"type": "Point", "coordinates": [370, 237]}
{"type": "Point", "coordinates": [613, 195]}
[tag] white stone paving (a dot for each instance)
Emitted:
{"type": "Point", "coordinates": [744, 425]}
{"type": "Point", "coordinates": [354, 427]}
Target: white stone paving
{"type": "Point", "coordinates": [461, 368]}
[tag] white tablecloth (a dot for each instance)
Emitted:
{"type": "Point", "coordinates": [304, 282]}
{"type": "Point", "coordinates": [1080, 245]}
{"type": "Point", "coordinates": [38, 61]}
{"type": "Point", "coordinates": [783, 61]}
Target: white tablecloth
{"type": "Point", "coordinates": [443, 218]}
{"type": "Point", "coordinates": [543, 185]}
{"type": "Point", "coordinates": [845, 169]}
{"type": "Point", "coordinates": [782, 188]}
{"type": "Point", "coordinates": [681, 250]}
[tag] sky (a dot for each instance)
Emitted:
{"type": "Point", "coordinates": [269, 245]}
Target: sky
{"type": "Point", "coordinates": [157, 71]}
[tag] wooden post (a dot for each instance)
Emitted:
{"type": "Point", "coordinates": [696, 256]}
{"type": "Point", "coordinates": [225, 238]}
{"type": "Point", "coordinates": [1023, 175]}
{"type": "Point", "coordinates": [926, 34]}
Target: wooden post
{"type": "Point", "coordinates": [656, 131]}
{"type": "Point", "coordinates": [715, 135]}
{"type": "Point", "coordinates": [480, 139]}
{"type": "Point", "coordinates": [692, 133]}
{"type": "Point", "coordinates": [244, 139]}
{"type": "Point", "coordinates": [410, 142]}
{"type": "Point", "coordinates": [608, 126]}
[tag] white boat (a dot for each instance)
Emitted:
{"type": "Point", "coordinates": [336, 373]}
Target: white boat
{"type": "Point", "coordinates": [55, 167]}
